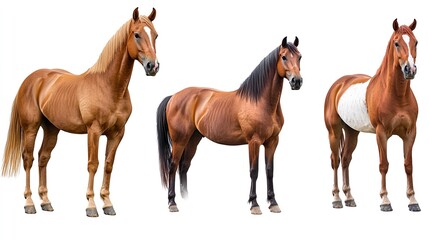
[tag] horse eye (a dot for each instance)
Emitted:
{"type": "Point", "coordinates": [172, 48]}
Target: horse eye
{"type": "Point", "coordinates": [416, 43]}
{"type": "Point", "coordinates": [136, 35]}
{"type": "Point", "coordinates": [299, 58]}
{"type": "Point", "coordinates": [396, 44]}
{"type": "Point", "coordinates": [284, 58]}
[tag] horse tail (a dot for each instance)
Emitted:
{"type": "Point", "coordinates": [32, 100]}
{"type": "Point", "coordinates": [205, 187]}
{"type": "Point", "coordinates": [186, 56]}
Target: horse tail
{"type": "Point", "coordinates": [13, 148]}
{"type": "Point", "coordinates": [164, 141]}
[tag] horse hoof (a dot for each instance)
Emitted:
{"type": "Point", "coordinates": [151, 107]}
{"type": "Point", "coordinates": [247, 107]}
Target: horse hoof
{"type": "Point", "coordinates": [386, 207]}
{"type": "Point", "coordinates": [47, 207]}
{"type": "Point", "coordinates": [414, 207]}
{"type": "Point", "coordinates": [350, 203]}
{"type": "Point", "coordinates": [275, 209]}
{"type": "Point", "coordinates": [91, 212]}
{"type": "Point", "coordinates": [109, 211]}
{"type": "Point", "coordinates": [256, 210]}
{"type": "Point", "coordinates": [173, 208]}
{"type": "Point", "coordinates": [337, 204]}
{"type": "Point", "coordinates": [30, 209]}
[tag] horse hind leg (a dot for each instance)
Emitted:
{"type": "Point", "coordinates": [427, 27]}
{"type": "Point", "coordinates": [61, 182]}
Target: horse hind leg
{"type": "Point", "coordinates": [185, 162]}
{"type": "Point", "coordinates": [350, 143]}
{"type": "Point", "coordinates": [29, 138]}
{"type": "Point", "coordinates": [336, 141]}
{"type": "Point", "coordinates": [50, 133]}
{"type": "Point", "coordinates": [177, 151]}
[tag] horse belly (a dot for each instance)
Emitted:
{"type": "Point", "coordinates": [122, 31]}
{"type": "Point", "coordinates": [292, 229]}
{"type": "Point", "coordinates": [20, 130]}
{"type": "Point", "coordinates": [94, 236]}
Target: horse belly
{"type": "Point", "coordinates": [353, 109]}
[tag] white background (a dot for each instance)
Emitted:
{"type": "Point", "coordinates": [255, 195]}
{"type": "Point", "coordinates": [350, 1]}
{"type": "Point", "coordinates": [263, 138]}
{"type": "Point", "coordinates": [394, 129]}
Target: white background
{"type": "Point", "coordinates": [215, 44]}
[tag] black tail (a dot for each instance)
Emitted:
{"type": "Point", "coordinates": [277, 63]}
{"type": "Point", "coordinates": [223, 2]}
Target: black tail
{"type": "Point", "coordinates": [164, 141]}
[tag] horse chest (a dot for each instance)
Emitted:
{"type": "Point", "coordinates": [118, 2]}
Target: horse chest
{"type": "Point", "coordinates": [353, 109]}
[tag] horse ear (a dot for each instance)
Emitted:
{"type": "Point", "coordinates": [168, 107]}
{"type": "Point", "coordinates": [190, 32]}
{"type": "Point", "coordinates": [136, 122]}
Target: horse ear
{"type": "Point", "coordinates": [395, 24]}
{"type": "Point", "coordinates": [413, 25]}
{"type": "Point", "coordinates": [136, 14]}
{"type": "Point", "coordinates": [296, 42]}
{"type": "Point", "coordinates": [284, 42]}
{"type": "Point", "coordinates": [152, 14]}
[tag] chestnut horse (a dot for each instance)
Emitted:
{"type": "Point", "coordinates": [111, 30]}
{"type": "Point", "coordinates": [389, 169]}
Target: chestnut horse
{"type": "Point", "coordinates": [97, 102]}
{"type": "Point", "coordinates": [250, 115]}
{"type": "Point", "coordinates": [383, 104]}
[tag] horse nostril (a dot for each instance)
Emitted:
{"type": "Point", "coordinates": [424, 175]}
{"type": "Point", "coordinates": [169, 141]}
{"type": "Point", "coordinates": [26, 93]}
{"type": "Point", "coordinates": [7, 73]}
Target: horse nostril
{"type": "Point", "coordinates": [149, 65]}
{"type": "Point", "coordinates": [407, 68]}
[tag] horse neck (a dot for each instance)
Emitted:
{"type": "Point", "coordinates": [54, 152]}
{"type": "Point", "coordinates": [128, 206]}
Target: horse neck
{"type": "Point", "coordinates": [273, 92]}
{"type": "Point", "coordinates": [117, 74]}
{"type": "Point", "coordinates": [264, 85]}
{"type": "Point", "coordinates": [391, 76]}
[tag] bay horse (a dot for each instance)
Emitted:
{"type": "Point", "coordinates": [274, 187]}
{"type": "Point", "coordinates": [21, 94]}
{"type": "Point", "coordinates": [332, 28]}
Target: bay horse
{"type": "Point", "coordinates": [96, 102]}
{"type": "Point", "coordinates": [383, 104]}
{"type": "Point", "coordinates": [249, 115]}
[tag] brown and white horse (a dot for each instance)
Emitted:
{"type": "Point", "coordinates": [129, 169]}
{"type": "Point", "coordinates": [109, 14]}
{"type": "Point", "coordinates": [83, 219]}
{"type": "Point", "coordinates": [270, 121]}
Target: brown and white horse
{"type": "Point", "coordinates": [249, 115]}
{"type": "Point", "coordinates": [96, 102]}
{"type": "Point", "coordinates": [383, 104]}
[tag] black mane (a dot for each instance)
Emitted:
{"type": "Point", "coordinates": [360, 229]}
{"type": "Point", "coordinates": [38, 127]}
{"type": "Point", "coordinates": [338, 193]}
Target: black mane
{"type": "Point", "coordinates": [254, 84]}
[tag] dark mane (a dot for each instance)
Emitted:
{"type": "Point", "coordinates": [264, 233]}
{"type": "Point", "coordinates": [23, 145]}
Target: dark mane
{"type": "Point", "coordinates": [254, 84]}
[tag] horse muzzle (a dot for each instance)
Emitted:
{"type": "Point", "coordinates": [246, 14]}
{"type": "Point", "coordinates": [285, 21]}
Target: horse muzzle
{"type": "Point", "coordinates": [409, 71]}
{"type": "Point", "coordinates": [296, 83]}
{"type": "Point", "coordinates": [151, 67]}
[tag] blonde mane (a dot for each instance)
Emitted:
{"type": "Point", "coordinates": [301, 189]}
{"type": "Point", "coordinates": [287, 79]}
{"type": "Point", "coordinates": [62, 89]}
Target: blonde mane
{"type": "Point", "coordinates": [113, 45]}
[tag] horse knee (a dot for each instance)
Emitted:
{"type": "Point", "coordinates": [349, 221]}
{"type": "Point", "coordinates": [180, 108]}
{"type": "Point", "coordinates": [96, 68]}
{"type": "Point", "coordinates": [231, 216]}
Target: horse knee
{"type": "Point", "coordinates": [408, 168]}
{"type": "Point", "coordinates": [335, 161]}
{"type": "Point", "coordinates": [383, 168]}
{"type": "Point", "coordinates": [254, 173]}
{"type": "Point", "coordinates": [92, 166]}
{"type": "Point", "coordinates": [44, 159]}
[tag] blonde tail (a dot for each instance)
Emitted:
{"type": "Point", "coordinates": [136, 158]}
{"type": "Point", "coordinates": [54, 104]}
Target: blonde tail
{"type": "Point", "coordinates": [13, 148]}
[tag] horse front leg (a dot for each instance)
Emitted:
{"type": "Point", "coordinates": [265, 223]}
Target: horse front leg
{"type": "Point", "coordinates": [253, 160]}
{"type": "Point", "coordinates": [112, 144]}
{"type": "Point", "coordinates": [382, 137]}
{"type": "Point", "coordinates": [270, 148]}
{"type": "Point", "coordinates": [93, 142]}
{"type": "Point", "coordinates": [408, 164]}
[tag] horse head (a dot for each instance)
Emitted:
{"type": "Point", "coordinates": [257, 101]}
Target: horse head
{"type": "Point", "coordinates": [288, 64]}
{"type": "Point", "coordinates": [141, 41]}
{"type": "Point", "coordinates": [405, 48]}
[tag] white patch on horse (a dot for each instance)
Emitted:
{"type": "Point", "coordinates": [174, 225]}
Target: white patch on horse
{"type": "Point", "coordinates": [148, 32]}
{"type": "Point", "coordinates": [353, 110]}
{"type": "Point", "coordinates": [410, 57]}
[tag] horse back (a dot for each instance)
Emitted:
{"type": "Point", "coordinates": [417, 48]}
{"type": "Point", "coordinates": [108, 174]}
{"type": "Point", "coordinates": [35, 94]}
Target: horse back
{"type": "Point", "coordinates": [42, 93]}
